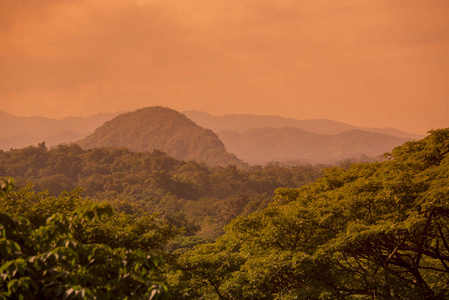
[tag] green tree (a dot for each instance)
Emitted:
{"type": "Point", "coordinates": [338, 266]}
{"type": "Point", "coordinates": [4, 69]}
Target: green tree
{"type": "Point", "coordinates": [373, 231]}
{"type": "Point", "coordinates": [47, 262]}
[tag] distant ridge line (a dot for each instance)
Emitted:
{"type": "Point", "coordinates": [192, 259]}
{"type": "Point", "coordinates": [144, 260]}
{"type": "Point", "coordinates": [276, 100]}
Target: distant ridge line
{"type": "Point", "coordinates": [243, 122]}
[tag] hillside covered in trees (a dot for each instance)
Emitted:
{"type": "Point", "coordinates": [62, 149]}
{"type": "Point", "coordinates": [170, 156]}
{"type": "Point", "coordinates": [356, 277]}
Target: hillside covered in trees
{"type": "Point", "coordinates": [254, 139]}
{"type": "Point", "coordinates": [136, 182]}
{"type": "Point", "coordinates": [374, 231]}
{"type": "Point", "coordinates": [165, 129]}
{"type": "Point", "coordinates": [370, 231]}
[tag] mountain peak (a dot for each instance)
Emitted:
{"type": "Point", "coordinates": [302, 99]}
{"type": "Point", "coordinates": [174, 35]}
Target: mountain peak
{"type": "Point", "coordinates": [162, 128]}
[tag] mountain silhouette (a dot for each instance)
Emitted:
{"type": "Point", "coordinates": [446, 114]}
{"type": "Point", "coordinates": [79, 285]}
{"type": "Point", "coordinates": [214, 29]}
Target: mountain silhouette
{"type": "Point", "coordinates": [262, 145]}
{"type": "Point", "coordinates": [164, 129]}
{"type": "Point", "coordinates": [256, 139]}
{"type": "Point", "coordinates": [244, 122]}
{"type": "Point", "coordinates": [25, 131]}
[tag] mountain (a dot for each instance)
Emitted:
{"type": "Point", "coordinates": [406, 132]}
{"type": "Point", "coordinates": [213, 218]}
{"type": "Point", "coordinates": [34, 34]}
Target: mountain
{"type": "Point", "coordinates": [25, 131]}
{"type": "Point", "coordinates": [17, 141]}
{"type": "Point", "coordinates": [394, 132]}
{"type": "Point", "coordinates": [262, 145]}
{"type": "Point", "coordinates": [240, 123]}
{"type": "Point", "coordinates": [253, 138]}
{"type": "Point", "coordinates": [165, 129]}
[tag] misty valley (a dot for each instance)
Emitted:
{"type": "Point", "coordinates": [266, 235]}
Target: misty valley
{"type": "Point", "coordinates": [159, 204]}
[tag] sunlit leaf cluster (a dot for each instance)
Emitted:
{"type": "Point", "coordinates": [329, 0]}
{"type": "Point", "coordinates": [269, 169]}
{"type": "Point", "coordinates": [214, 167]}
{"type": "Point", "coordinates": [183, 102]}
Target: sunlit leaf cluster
{"type": "Point", "coordinates": [374, 231]}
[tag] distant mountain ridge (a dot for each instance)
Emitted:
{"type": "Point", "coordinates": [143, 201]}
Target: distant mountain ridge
{"type": "Point", "coordinates": [255, 139]}
{"type": "Point", "coordinates": [164, 129]}
{"type": "Point", "coordinates": [262, 145]}
{"type": "Point", "coordinates": [244, 122]}
{"type": "Point", "coordinates": [25, 131]}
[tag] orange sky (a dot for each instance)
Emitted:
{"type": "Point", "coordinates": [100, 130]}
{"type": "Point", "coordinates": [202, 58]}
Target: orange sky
{"type": "Point", "coordinates": [376, 63]}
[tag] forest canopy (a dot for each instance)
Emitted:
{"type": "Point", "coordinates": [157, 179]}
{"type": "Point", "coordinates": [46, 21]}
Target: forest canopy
{"type": "Point", "coordinates": [374, 231]}
{"type": "Point", "coordinates": [137, 182]}
{"type": "Point", "coordinates": [367, 231]}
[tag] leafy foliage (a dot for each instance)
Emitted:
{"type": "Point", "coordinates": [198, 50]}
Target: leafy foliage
{"type": "Point", "coordinates": [374, 231]}
{"type": "Point", "coordinates": [368, 231]}
{"type": "Point", "coordinates": [48, 262]}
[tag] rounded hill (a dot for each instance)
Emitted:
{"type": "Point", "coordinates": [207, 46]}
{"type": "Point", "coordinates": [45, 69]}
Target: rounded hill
{"type": "Point", "coordinates": [165, 129]}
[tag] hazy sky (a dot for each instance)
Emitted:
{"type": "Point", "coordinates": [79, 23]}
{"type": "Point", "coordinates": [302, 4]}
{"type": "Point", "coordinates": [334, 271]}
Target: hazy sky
{"type": "Point", "coordinates": [378, 63]}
